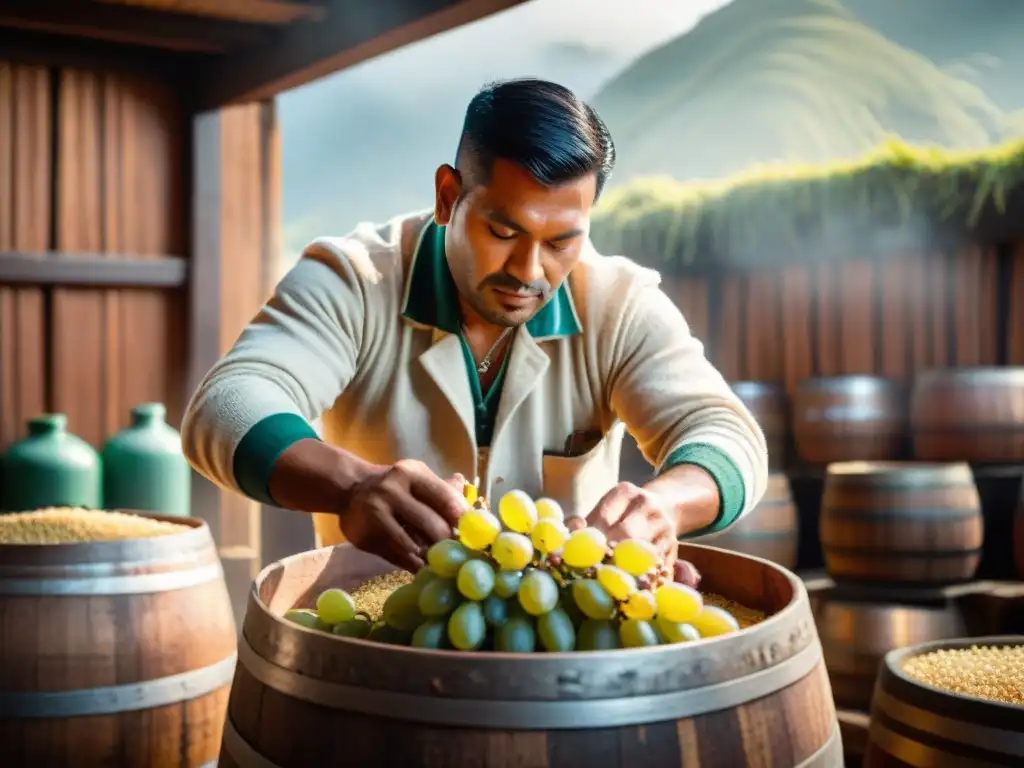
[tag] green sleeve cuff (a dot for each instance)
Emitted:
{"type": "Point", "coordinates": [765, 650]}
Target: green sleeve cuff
{"type": "Point", "coordinates": [723, 470]}
{"type": "Point", "coordinates": [260, 448]}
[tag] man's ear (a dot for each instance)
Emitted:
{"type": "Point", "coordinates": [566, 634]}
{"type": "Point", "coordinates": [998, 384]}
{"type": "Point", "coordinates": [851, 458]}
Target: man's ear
{"type": "Point", "coordinates": [447, 188]}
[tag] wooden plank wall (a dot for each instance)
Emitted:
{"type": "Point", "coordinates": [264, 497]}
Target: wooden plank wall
{"type": "Point", "coordinates": [890, 318]}
{"type": "Point", "coordinates": [89, 163]}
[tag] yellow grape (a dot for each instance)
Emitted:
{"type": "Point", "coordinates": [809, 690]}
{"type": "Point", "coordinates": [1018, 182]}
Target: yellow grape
{"type": "Point", "coordinates": [549, 536]}
{"type": "Point", "coordinates": [635, 556]}
{"type": "Point", "coordinates": [640, 605]}
{"type": "Point", "coordinates": [585, 548]}
{"type": "Point", "coordinates": [549, 509]}
{"type": "Point", "coordinates": [478, 529]}
{"type": "Point", "coordinates": [470, 493]}
{"type": "Point", "coordinates": [517, 511]}
{"type": "Point", "coordinates": [714, 621]}
{"type": "Point", "coordinates": [677, 603]}
{"type": "Point", "coordinates": [512, 551]}
{"type": "Point", "coordinates": [616, 581]}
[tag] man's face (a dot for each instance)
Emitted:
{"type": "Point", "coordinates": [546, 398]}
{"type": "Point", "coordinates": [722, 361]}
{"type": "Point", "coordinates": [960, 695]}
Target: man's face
{"type": "Point", "coordinates": [511, 242]}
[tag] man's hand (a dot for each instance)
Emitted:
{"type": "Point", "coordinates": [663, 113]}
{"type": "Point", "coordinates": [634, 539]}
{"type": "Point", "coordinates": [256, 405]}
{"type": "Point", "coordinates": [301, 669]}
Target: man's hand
{"type": "Point", "coordinates": [630, 512]}
{"type": "Point", "coordinates": [399, 512]}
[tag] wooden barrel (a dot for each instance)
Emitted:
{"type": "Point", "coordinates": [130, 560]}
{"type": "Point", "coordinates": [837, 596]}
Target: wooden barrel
{"type": "Point", "coordinates": [1018, 535]}
{"type": "Point", "coordinates": [913, 724]}
{"type": "Point", "coordinates": [907, 522]}
{"type": "Point", "coordinates": [759, 697]}
{"type": "Point", "coordinates": [770, 530]}
{"type": "Point", "coordinates": [850, 418]}
{"type": "Point", "coordinates": [969, 414]}
{"type": "Point", "coordinates": [856, 636]}
{"type": "Point", "coordinates": [115, 653]}
{"type": "Point", "coordinates": [769, 404]}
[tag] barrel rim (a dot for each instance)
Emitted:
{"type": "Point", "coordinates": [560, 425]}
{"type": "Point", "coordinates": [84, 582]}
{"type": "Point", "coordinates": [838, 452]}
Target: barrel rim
{"type": "Point", "coordinates": [139, 550]}
{"type": "Point", "coordinates": [862, 380]}
{"type": "Point", "coordinates": [978, 707]}
{"type": "Point", "coordinates": [961, 375]}
{"type": "Point", "coordinates": [908, 472]}
{"type": "Point", "coordinates": [767, 645]}
{"type": "Point", "coordinates": [776, 388]}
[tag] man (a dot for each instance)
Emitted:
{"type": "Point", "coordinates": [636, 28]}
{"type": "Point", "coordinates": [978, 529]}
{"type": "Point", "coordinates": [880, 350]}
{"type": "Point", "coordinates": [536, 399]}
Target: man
{"type": "Point", "coordinates": [486, 340]}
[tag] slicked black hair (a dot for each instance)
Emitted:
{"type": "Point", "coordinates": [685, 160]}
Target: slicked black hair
{"type": "Point", "coordinates": [540, 126]}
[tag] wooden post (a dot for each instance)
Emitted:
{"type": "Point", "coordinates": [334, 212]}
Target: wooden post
{"type": "Point", "coordinates": [235, 226]}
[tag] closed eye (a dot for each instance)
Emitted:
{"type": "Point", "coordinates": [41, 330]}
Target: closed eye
{"type": "Point", "coordinates": [500, 236]}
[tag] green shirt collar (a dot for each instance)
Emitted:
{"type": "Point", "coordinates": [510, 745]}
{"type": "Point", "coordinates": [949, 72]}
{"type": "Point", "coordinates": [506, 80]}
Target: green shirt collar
{"type": "Point", "coordinates": [431, 298]}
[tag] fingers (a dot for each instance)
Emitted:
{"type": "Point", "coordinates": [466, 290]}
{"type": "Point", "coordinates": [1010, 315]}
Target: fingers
{"type": "Point", "coordinates": [421, 520]}
{"type": "Point", "coordinates": [612, 507]}
{"type": "Point", "coordinates": [458, 481]}
{"type": "Point", "coordinates": [686, 573]}
{"type": "Point", "coordinates": [399, 547]}
{"type": "Point", "coordinates": [575, 522]}
{"type": "Point", "coordinates": [439, 495]}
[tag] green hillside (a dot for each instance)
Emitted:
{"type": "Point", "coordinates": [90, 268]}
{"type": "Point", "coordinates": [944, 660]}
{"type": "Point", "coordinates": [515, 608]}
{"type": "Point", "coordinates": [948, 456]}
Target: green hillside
{"type": "Point", "coordinates": [896, 199]}
{"type": "Point", "coordinates": [785, 80]}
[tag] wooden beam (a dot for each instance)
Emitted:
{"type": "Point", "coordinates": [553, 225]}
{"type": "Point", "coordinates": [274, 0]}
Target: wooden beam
{"type": "Point", "coordinates": [260, 11]}
{"type": "Point", "coordinates": [349, 33]}
{"type": "Point", "coordinates": [50, 50]}
{"type": "Point", "coordinates": [95, 271]}
{"type": "Point", "coordinates": [129, 24]}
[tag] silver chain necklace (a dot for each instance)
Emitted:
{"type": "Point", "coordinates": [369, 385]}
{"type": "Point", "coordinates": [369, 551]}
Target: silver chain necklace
{"type": "Point", "coordinates": [485, 363]}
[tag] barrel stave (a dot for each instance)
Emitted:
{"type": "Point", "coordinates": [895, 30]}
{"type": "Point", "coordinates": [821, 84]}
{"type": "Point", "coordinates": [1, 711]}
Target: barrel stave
{"type": "Point", "coordinates": [106, 644]}
{"type": "Point", "coordinates": [907, 522]}
{"type": "Point", "coordinates": [846, 418]}
{"type": "Point", "coordinates": [915, 724]}
{"type": "Point", "coordinates": [760, 697]}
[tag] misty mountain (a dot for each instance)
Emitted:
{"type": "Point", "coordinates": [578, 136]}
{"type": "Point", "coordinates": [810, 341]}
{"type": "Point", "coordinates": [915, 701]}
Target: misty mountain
{"type": "Point", "coordinates": [785, 80]}
{"type": "Point", "coordinates": [756, 81]}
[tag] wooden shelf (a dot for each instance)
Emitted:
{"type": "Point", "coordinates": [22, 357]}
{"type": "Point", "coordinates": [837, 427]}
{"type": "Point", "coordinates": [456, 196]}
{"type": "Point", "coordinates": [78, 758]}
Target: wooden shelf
{"type": "Point", "coordinates": [92, 270]}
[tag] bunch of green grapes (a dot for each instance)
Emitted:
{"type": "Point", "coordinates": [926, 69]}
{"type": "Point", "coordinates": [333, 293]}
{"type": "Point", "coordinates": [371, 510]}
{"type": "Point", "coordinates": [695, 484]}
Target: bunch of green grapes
{"type": "Point", "coordinates": [519, 582]}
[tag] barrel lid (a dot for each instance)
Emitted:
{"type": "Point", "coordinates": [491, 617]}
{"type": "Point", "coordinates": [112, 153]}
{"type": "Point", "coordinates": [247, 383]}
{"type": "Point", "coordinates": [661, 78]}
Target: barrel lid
{"type": "Point", "coordinates": [991, 374]}
{"type": "Point", "coordinates": [902, 472]}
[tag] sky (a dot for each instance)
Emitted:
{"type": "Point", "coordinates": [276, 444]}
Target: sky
{"type": "Point", "coordinates": [362, 144]}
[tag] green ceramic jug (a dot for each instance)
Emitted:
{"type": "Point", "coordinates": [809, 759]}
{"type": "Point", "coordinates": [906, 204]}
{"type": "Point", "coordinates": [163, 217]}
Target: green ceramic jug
{"type": "Point", "coordinates": [144, 468]}
{"type": "Point", "coordinates": [50, 468]}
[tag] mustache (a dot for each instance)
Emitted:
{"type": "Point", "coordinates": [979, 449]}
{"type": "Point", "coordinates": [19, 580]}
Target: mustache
{"type": "Point", "coordinates": [506, 282]}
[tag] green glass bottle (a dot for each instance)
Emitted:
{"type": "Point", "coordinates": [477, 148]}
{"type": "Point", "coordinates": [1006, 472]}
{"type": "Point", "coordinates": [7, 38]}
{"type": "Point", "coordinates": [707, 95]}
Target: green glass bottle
{"type": "Point", "coordinates": [144, 467]}
{"type": "Point", "coordinates": [50, 468]}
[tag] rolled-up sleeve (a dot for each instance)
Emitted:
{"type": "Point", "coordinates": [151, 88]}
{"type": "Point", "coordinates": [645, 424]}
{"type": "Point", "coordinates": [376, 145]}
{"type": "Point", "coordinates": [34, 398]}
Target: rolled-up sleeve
{"type": "Point", "coordinates": [679, 407]}
{"type": "Point", "coordinates": [288, 366]}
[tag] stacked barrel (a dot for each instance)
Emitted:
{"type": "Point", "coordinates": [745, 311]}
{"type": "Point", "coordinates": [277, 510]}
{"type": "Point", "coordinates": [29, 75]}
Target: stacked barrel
{"type": "Point", "coordinates": [905, 492]}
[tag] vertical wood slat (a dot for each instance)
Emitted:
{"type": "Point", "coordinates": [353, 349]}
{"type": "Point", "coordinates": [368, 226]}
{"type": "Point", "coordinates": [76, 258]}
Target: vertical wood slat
{"type": "Point", "coordinates": [894, 317]}
{"type": "Point", "coordinates": [25, 222]}
{"type": "Point", "coordinates": [235, 233]}
{"type": "Point", "coordinates": [119, 190]}
{"type": "Point", "coordinates": [1015, 337]}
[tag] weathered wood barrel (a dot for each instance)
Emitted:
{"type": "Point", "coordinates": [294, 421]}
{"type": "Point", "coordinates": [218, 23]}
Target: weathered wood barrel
{"type": "Point", "coordinates": [770, 530]}
{"type": "Point", "coordinates": [769, 404]}
{"type": "Point", "coordinates": [115, 653]}
{"type": "Point", "coordinates": [916, 724]}
{"type": "Point", "coordinates": [759, 697]}
{"type": "Point", "coordinates": [850, 418]}
{"type": "Point", "coordinates": [856, 636]}
{"type": "Point", "coordinates": [908, 522]}
{"type": "Point", "coordinates": [969, 414]}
